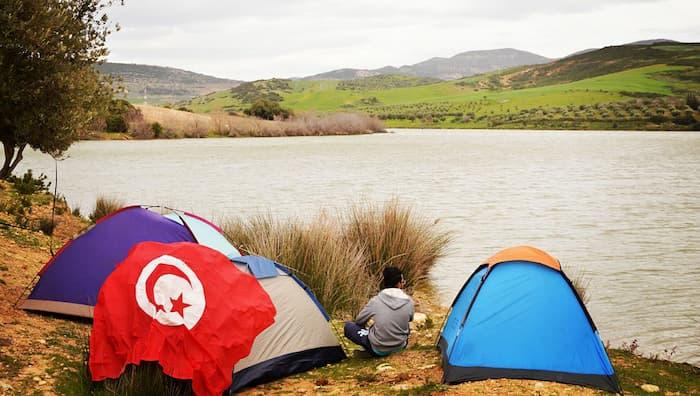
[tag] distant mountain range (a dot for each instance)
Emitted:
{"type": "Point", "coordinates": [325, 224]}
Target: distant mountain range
{"type": "Point", "coordinates": [464, 64]}
{"type": "Point", "coordinates": [160, 84]}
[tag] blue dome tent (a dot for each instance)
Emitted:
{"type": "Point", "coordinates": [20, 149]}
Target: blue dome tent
{"type": "Point", "coordinates": [518, 316]}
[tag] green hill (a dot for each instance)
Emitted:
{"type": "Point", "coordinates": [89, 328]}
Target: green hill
{"type": "Point", "coordinates": [162, 84]}
{"type": "Point", "coordinates": [626, 87]}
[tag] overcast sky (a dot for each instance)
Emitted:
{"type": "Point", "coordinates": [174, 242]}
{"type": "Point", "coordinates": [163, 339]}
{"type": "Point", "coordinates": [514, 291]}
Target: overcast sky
{"type": "Point", "coordinates": [257, 39]}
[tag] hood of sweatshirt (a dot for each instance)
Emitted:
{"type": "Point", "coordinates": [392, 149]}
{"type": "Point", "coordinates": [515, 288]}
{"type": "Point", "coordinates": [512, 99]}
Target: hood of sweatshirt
{"type": "Point", "coordinates": [394, 298]}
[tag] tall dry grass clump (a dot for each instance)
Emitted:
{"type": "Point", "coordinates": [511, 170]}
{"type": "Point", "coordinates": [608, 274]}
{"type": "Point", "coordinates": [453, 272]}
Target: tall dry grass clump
{"type": "Point", "coordinates": [105, 206]}
{"type": "Point", "coordinates": [581, 282]}
{"type": "Point", "coordinates": [393, 235]}
{"type": "Point", "coordinates": [335, 271]}
{"type": "Point", "coordinates": [341, 257]}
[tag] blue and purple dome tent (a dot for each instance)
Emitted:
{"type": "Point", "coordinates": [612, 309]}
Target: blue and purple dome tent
{"type": "Point", "coordinates": [69, 283]}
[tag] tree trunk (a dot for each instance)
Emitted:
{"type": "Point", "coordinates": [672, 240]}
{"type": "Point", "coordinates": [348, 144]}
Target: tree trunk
{"type": "Point", "coordinates": [11, 160]}
{"type": "Point", "coordinates": [9, 156]}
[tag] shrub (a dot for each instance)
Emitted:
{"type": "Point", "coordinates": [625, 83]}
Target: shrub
{"type": "Point", "coordinates": [46, 225]}
{"type": "Point", "coordinates": [685, 119]}
{"type": "Point", "coordinates": [76, 211]}
{"type": "Point", "coordinates": [105, 206]}
{"type": "Point", "coordinates": [658, 119]}
{"type": "Point", "coordinates": [157, 129]}
{"type": "Point", "coordinates": [267, 110]}
{"type": "Point", "coordinates": [692, 101]}
{"type": "Point", "coordinates": [28, 184]}
{"type": "Point", "coordinates": [116, 124]}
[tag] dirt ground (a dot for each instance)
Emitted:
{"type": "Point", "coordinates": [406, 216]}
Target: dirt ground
{"type": "Point", "coordinates": [28, 342]}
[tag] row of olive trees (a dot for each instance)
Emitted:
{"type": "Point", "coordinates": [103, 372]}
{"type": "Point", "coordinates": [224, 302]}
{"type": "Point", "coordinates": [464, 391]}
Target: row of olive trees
{"type": "Point", "coordinates": [49, 88]}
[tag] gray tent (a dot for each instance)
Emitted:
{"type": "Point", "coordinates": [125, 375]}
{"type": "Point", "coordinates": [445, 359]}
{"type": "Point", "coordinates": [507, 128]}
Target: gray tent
{"type": "Point", "coordinates": [301, 337]}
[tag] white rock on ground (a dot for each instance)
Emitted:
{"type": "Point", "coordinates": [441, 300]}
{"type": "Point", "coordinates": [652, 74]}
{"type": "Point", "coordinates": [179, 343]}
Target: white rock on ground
{"type": "Point", "coordinates": [419, 318]}
{"type": "Point", "coordinates": [384, 367]}
{"type": "Point", "coordinates": [650, 388]}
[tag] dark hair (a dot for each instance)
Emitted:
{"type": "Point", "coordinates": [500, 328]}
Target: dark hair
{"type": "Point", "coordinates": [392, 277]}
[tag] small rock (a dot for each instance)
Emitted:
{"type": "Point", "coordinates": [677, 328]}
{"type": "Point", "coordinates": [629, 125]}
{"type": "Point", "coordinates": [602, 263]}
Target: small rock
{"type": "Point", "coordinates": [36, 379]}
{"type": "Point", "coordinates": [384, 367]}
{"type": "Point", "coordinates": [539, 385]}
{"type": "Point", "coordinates": [42, 382]}
{"type": "Point", "coordinates": [419, 318]}
{"type": "Point", "coordinates": [41, 341]}
{"type": "Point", "coordinates": [427, 366]}
{"type": "Point", "coordinates": [650, 388]}
{"type": "Point", "coordinates": [401, 387]}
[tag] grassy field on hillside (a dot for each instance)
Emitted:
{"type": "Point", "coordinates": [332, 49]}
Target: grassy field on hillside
{"type": "Point", "coordinates": [644, 88]}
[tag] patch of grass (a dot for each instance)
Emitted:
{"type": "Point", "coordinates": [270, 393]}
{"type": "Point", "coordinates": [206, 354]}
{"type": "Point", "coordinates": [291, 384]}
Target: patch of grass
{"type": "Point", "coordinates": [429, 388]}
{"type": "Point", "coordinates": [385, 81]}
{"type": "Point", "coordinates": [105, 206]}
{"type": "Point", "coordinates": [11, 366]}
{"type": "Point", "coordinates": [20, 237]}
{"type": "Point", "coordinates": [71, 370]}
{"type": "Point", "coordinates": [366, 378]}
{"type": "Point", "coordinates": [634, 371]}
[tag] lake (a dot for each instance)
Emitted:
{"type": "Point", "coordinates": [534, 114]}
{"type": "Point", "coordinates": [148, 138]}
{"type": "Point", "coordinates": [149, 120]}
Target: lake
{"type": "Point", "coordinates": [623, 208]}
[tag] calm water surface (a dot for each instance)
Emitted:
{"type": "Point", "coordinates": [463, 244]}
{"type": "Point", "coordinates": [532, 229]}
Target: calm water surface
{"type": "Point", "coordinates": [624, 208]}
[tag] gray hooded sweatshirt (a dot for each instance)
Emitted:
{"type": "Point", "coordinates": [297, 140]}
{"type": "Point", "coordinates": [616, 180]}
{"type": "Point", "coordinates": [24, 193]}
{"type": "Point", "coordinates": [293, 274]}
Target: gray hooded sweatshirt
{"type": "Point", "coordinates": [391, 310]}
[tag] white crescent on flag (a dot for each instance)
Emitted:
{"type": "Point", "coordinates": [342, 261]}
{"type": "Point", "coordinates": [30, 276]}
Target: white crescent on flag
{"type": "Point", "coordinates": [170, 292]}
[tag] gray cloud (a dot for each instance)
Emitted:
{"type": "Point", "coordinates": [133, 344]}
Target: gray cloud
{"type": "Point", "coordinates": [249, 40]}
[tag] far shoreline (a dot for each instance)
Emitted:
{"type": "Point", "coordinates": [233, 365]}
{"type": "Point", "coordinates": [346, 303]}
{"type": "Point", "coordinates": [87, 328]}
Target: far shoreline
{"type": "Point", "coordinates": [122, 136]}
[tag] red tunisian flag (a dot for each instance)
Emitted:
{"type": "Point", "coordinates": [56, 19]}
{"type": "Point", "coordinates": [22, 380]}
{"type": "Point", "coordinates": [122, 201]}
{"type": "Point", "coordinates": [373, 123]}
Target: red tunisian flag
{"type": "Point", "coordinates": [183, 305]}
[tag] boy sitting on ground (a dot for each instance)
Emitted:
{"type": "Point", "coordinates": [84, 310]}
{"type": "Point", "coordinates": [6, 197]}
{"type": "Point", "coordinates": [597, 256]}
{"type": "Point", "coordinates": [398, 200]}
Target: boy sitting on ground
{"type": "Point", "coordinates": [391, 310]}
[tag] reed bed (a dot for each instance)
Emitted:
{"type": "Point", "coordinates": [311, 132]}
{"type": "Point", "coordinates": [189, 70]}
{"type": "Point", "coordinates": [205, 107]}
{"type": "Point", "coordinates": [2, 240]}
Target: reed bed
{"type": "Point", "coordinates": [335, 271]}
{"type": "Point", "coordinates": [185, 124]}
{"type": "Point", "coordinates": [341, 257]}
{"type": "Point", "coordinates": [393, 235]}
